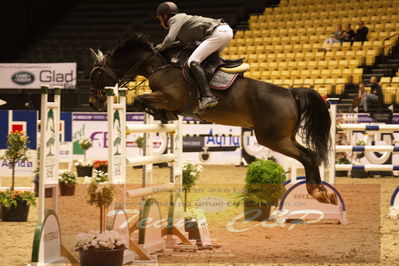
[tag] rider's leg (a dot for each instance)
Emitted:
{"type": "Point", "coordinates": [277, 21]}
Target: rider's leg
{"type": "Point", "coordinates": [219, 39]}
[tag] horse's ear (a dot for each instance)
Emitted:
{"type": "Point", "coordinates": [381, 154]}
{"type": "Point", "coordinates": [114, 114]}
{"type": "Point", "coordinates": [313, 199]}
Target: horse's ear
{"type": "Point", "coordinates": [100, 54]}
{"type": "Point", "coordinates": [97, 57]}
{"type": "Point", "coordinates": [94, 55]}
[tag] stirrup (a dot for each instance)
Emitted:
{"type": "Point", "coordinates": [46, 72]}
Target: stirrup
{"type": "Point", "coordinates": [209, 103]}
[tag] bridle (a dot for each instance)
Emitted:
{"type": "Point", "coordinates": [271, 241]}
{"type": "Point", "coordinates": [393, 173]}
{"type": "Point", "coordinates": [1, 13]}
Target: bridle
{"type": "Point", "coordinates": [123, 81]}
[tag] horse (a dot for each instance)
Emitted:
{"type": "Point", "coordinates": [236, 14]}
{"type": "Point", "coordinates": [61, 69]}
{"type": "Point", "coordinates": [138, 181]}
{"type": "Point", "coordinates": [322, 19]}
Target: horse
{"type": "Point", "coordinates": [274, 113]}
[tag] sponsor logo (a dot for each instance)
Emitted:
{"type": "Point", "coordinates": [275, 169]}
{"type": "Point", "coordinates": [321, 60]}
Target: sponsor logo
{"type": "Point", "coordinates": [23, 78]}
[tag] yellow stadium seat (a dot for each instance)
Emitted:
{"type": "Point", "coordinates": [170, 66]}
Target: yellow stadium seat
{"type": "Point", "coordinates": [340, 54]}
{"type": "Point", "coordinates": [389, 95]}
{"type": "Point", "coordinates": [325, 73]}
{"type": "Point", "coordinates": [252, 58]}
{"type": "Point", "coordinates": [297, 47]}
{"type": "Point", "coordinates": [395, 80]}
{"type": "Point", "coordinates": [279, 82]}
{"type": "Point", "coordinates": [282, 65]}
{"type": "Point", "coordinates": [346, 46]}
{"type": "Point", "coordinates": [322, 64]}
{"type": "Point", "coordinates": [253, 74]}
{"type": "Point", "coordinates": [336, 72]}
{"type": "Point", "coordinates": [343, 63]}
{"type": "Point", "coordinates": [261, 57]}
{"type": "Point", "coordinates": [273, 65]}
{"type": "Point", "coordinates": [370, 57]}
{"type": "Point", "coordinates": [340, 85]}
{"type": "Point", "coordinates": [297, 82]}
{"type": "Point", "coordinates": [295, 74]}
{"type": "Point", "coordinates": [319, 55]}
{"type": "Point", "coordinates": [333, 64]}
{"type": "Point", "coordinates": [308, 82]}
{"type": "Point", "coordinates": [259, 49]}
{"type": "Point", "coordinates": [330, 54]}
{"type": "Point", "coordinates": [285, 73]}
{"type": "Point", "coordinates": [305, 73]}
{"type": "Point", "coordinates": [302, 64]}
{"type": "Point", "coordinates": [255, 66]}
{"type": "Point", "coordinates": [275, 74]}
{"type": "Point", "coordinates": [357, 75]}
{"type": "Point", "coordinates": [312, 64]}
{"type": "Point", "coordinates": [385, 80]}
{"type": "Point", "coordinates": [292, 64]}
{"type": "Point", "coordinates": [315, 73]}
{"type": "Point", "coordinates": [336, 45]}
{"type": "Point", "coordinates": [239, 34]}
{"type": "Point", "coordinates": [287, 83]}
{"type": "Point", "coordinates": [318, 81]}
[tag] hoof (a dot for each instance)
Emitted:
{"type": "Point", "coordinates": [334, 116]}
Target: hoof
{"type": "Point", "coordinates": [320, 193]}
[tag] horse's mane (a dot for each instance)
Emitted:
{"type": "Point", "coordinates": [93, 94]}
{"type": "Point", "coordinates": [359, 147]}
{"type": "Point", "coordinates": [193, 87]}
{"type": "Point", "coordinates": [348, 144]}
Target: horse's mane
{"type": "Point", "coordinates": [141, 42]}
{"type": "Point", "coordinates": [135, 42]}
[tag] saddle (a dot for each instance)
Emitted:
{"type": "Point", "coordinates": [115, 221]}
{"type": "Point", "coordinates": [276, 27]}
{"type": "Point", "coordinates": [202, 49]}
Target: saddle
{"type": "Point", "coordinates": [219, 72]}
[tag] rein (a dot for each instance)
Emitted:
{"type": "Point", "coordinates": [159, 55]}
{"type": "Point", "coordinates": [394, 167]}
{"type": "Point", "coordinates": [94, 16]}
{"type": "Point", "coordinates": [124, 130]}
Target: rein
{"type": "Point", "coordinates": [123, 81]}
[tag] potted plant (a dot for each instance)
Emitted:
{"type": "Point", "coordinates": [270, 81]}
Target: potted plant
{"type": "Point", "coordinates": [84, 168]}
{"type": "Point", "coordinates": [67, 181]}
{"type": "Point", "coordinates": [15, 204]}
{"type": "Point", "coordinates": [100, 194]}
{"type": "Point", "coordinates": [100, 247]}
{"type": "Point", "coordinates": [191, 174]}
{"type": "Point", "coordinates": [140, 145]}
{"type": "Point", "coordinates": [357, 156]}
{"type": "Point", "coordinates": [264, 188]}
{"type": "Point", "coordinates": [101, 165]}
{"type": "Point", "coordinates": [192, 217]}
{"type": "Point", "coordinates": [341, 159]}
{"type": "Point", "coordinates": [360, 155]}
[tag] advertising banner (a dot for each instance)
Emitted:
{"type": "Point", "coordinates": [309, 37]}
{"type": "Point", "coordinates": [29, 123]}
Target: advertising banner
{"type": "Point", "coordinates": [31, 75]}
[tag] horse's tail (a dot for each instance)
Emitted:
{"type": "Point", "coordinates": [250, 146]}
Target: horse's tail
{"type": "Point", "coordinates": [315, 121]}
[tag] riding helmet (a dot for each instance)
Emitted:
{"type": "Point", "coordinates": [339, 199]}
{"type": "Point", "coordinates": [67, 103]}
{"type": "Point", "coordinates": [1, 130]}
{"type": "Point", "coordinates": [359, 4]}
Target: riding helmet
{"type": "Point", "coordinates": [168, 8]}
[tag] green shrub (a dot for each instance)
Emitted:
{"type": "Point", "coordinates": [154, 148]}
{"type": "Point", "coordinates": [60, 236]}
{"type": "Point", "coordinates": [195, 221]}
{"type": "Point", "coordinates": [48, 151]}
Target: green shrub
{"type": "Point", "coordinates": [265, 184]}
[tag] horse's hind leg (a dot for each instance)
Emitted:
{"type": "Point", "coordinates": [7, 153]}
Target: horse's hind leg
{"type": "Point", "coordinates": [291, 148]}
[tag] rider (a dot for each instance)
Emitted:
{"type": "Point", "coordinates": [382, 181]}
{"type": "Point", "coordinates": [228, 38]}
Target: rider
{"type": "Point", "coordinates": [211, 35]}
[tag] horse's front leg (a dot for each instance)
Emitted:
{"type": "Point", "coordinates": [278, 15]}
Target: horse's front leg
{"type": "Point", "coordinates": [154, 104]}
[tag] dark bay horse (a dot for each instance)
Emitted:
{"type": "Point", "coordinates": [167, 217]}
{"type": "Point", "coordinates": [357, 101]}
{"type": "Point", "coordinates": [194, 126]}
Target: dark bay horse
{"type": "Point", "coordinates": [273, 112]}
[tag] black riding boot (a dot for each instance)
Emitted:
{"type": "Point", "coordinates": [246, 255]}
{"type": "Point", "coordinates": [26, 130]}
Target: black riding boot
{"type": "Point", "coordinates": [207, 99]}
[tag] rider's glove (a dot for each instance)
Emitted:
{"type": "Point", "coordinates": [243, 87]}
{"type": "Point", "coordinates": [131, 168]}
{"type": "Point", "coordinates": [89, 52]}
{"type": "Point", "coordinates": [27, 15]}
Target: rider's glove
{"type": "Point", "coordinates": [159, 47]}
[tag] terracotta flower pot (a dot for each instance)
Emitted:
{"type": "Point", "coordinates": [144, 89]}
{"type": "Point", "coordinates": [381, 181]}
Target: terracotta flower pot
{"type": "Point", "coordinates": [83, 171]}
{"type": "Point", "coordinates": [101, 257]}
{"type": "Point", "coordinates": [17, 213]}
{"type": "Point", "coordinates": [67, 190]}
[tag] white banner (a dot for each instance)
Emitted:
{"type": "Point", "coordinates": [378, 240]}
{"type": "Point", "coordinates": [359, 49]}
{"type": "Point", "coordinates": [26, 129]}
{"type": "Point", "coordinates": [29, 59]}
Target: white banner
{"type": "Point", "coordinates": [30, 76]}
{"type": "Point", "coordinates": [22, 169]}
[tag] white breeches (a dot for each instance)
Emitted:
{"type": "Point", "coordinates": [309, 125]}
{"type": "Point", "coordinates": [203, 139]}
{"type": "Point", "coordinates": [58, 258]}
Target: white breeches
{"type": "Point", "coordinates": [217, 41]}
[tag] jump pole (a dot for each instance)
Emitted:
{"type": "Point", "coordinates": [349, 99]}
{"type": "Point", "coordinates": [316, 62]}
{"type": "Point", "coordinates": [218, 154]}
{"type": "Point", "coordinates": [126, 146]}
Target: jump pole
{"type": "Point", "coordinates": [117, 172]}
{"type": "Point", "coordinates": [393, 212]}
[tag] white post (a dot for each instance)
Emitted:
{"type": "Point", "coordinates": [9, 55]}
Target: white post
{"type": "Point", "coordinates": [177, 149]}
{"type": "Point", "coordinates": [333, 114]}
{"type": "Point", "coordinates": [49, 147]}
{"type": "Point", "coordinates": [147, 146]}
{"type": "Point", "coordinates": [116, 113]}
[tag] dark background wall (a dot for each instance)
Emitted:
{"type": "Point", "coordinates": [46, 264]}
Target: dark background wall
{"type": "Point", "coordinates": [23, 21]}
